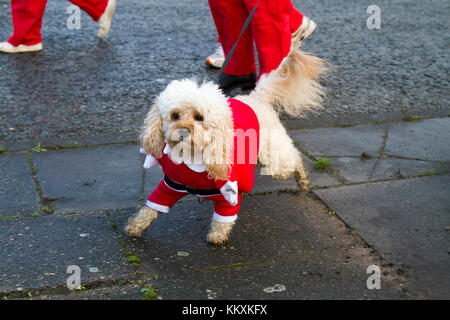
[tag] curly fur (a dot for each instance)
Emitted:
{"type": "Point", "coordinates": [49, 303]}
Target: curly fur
{"type": "Point", "coordinates": [219, 232]}
{"type": "Point", "coordinates": [152, 138]}
{"type": "Point", "coordinates": [140, 221]}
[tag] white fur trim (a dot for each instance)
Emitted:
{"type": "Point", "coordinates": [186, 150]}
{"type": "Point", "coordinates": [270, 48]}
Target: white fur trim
{"type": "Point", "coordinates": [166, 149]}
{"type": "Point", "coordinates": [157, 207]}
{"type": "Point", "coordinates": [196, 167]}
{"type": "Point", "coordinates": [225, 219]}
{"type": "Point", "coordinates": [150, 162]}
{"type": "Point", "coordinates": [200, 167]}
{"type": "Point", "coordinates": [230, 192]}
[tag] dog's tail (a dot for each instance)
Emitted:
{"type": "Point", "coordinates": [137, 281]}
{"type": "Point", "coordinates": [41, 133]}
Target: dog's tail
{"type": "Point", "coordinates": [293, 88]}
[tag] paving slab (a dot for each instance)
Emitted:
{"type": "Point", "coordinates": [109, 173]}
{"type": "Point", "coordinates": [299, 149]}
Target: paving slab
{"type": "Point", "coordinates": [426, 140]}
{"type": "Point", "coordinates": [341, 141]}
{"type": "Point", "coordinates": [18, 196]}
{"type": "Point", "coordinates": [282, 238]}
{"type": "Point", "coordinates": [353, 169]}
{"type": "Point", "coordinates": [391, 168]}
{"type": "Point", "coordinates": [88, 179]}
{"type": "Point", "coordinates": [265, 183]}
{"type": "Point", "coordinates": [407, 222]}
{"type": "Point", "coordinates": [36, 252]}
{"type": "Point", "coordinates": [319, 178]}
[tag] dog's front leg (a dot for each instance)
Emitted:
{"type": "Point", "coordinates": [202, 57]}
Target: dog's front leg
{"type": "Point", "coordinates": [140, 221]}
{"type": "Point", "coordinates": [219, 232]}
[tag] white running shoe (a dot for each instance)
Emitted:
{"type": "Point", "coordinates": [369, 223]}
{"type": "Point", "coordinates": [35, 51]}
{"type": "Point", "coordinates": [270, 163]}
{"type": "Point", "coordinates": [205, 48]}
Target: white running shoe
{"type": "Point", "coordinates": [303, 32]}
{"type": "Point", "coordinates": [7, 47]}
{"type": "Point", "coordinates": [105, 20]}
{"type": "Point", "coordinates": [217, 59]}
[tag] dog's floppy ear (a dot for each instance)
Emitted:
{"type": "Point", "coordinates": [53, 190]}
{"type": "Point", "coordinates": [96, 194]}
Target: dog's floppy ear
{"type": "Point", "coordinates": [217, 157]}
{"type": "Point", "coordinates": [217, 165]}
{"type": "Point", "coordinates": [152, 136]}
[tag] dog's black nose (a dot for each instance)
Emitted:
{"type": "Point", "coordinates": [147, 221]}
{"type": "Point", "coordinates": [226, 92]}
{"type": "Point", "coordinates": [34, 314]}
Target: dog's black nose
{"type": "Point", "coordinates": [184, 132]}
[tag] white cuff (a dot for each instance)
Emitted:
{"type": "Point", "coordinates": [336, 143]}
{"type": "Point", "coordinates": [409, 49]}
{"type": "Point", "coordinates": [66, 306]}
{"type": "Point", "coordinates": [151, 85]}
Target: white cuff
{"type": "Point", "coordinates": [230, 192]}
{"type": "Point", "coordinates": [225, 219]}
{"type": "Point", "coordinates": [150, 162]}
{"type": "Point", "coordinates": [157, 207]}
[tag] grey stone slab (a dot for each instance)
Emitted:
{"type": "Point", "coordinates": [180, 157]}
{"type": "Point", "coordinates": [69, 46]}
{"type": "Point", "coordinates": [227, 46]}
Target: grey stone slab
{"type": "Point", "coordinates": [427, 139]}
{"type": "Point", "coordinates": [18, 196]}
{"type": "Point", "coordinates": [36, 252]}
{"type": "Point", "coordinates": [391, 168]}
{"type": "Point", "coordinates": [91, 178]}
{"type": "Point", "coordinates": [278, 239]}
{"type": "Point", "coordinates": [353, 169]}
{"type": "Point", "coordinates": [265, 183]}
{"type": "Point", "coordinates": [406, 221]}
{"type": "Point", "coordinates": [319, 178]}
{"type": "Point", "coordinates": [341, 141]}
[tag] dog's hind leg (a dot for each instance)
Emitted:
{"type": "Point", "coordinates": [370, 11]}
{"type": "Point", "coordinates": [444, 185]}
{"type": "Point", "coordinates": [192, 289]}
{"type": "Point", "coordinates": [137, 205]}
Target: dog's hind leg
{"type": "Point", "coordinates": [140, 221]}
{"type": "Point", "coordinates": [302, 175]}
{"type": "Point", "coordinates": [281, 159]}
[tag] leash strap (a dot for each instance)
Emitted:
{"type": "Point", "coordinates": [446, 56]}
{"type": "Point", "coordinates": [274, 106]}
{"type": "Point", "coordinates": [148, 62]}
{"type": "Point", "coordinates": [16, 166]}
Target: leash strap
{"type": "Point", "coordinates": [246, 23]}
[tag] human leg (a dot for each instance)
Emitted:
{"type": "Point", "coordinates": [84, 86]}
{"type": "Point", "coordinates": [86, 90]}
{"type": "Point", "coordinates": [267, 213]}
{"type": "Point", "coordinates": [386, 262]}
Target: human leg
{"type": "Point", "coordinates": [27, 21]}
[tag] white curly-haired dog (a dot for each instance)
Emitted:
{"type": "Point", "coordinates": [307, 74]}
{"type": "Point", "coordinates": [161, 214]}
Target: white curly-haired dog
{"type": "Point", "coordinates": [191, 115]}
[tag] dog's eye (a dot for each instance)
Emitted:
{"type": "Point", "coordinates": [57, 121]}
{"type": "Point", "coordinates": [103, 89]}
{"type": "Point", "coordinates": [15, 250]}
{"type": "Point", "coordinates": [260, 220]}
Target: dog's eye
{"type": "Point", "coordinates": [175, 116]}
{"type": "Point", "coordinates": [198, 117]}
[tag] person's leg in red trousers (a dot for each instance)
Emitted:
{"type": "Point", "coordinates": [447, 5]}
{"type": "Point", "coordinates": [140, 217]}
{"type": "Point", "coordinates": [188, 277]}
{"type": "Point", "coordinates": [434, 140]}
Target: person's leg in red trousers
{"type": "Point", "coordinates": [27, 21]}
{"type": "Point", "coordinates": [270, 28]}
{"type": "Point", "coordinates": [27, 18]}
{"type": "Point", "coordinates": [271, 32]}
{"type": "Point", "coordinates": [94, 8]}
{"type": "Point", "coordinates": [229, 17]}
{"type": "Point", "coordinates": [295, 18]}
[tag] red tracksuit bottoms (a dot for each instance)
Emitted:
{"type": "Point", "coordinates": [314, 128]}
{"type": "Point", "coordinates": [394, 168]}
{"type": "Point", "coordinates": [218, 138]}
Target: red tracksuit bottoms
{"type": "Point", "coordinates": [27, 18]}
{"type": "Point", "coordinates": [271, 28]}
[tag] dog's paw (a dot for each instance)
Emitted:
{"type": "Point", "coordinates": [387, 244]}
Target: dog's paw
{"type": "Point", "coordinates": [219, 232]}
{"type": "Point", "coordinates": [305, 184]}
{"type": "Point", "coordinates": [303, 180]}
{"type": "Point", "coordinates": [140, 221]}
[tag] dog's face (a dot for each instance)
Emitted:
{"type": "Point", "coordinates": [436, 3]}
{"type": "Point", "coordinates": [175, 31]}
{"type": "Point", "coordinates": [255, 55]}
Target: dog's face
{"type": "Point", "coordinates": [195, 121]}
{"type": "Point", "coordinates": [186, 128]}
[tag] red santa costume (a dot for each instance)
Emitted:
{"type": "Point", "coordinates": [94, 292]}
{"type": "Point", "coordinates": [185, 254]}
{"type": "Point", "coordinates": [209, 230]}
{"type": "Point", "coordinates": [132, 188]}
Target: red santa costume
{"type": "Point", "coordinates": [27, 18]}
{"type": "Point", "coordinates": [271, 28]}
{"type": "Point", "coordinates": [183, 179]}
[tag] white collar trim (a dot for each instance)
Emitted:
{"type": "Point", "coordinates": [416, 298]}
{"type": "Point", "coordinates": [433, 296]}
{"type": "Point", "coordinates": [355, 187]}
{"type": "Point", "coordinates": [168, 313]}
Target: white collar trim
{"type": "Point", "coordinates": [193, 166]}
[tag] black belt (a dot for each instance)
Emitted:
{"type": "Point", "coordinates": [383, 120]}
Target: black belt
{"type": "Point", "coordinates": [197, 192]}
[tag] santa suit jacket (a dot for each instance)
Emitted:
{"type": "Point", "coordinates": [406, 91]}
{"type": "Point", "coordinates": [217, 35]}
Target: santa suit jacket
{"type": "Point", "coordinates": [182, 179]}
